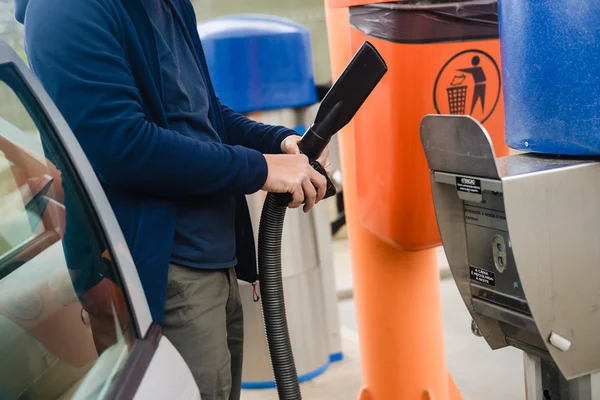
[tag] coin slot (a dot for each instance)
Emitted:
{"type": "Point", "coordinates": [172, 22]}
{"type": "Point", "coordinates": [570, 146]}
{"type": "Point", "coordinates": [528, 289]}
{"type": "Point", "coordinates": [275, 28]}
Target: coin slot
{"type": "Point", "coordinates": [499, 253]}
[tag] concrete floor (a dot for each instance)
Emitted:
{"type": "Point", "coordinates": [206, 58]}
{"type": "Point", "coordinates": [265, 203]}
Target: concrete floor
{"type": "Point", "coordinates": [342, 381]}
{"type": "Point", "coordinates": [481, 374]}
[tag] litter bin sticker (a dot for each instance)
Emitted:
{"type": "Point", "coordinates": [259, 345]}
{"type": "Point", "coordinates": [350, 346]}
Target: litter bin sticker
{"type": "Point", "coordinates": [468, 84]}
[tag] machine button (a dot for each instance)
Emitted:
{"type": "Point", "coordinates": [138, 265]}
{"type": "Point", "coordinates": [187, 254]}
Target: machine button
{"type": "Point", "coordinates": [559, 342]}
{"type": "Point", "coordinates": [499, 252]}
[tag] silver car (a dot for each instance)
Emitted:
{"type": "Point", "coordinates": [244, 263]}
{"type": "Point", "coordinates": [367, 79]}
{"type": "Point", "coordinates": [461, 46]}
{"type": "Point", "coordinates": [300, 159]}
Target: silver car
{"type": "Point", "coordinates": [70, 327]}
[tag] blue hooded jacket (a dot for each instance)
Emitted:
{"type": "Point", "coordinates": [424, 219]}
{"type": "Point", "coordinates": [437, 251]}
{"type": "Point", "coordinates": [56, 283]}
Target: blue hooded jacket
{"type": "Point", "coordinates": [98, 61]}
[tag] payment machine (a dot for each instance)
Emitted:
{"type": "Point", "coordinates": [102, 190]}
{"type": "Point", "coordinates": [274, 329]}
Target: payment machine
{"type": "Point", "coordinates": [522, 237]}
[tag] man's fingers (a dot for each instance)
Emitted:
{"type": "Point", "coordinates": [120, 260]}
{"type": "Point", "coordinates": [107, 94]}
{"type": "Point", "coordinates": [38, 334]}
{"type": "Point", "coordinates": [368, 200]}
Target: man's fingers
{"type": "Point", "coordinates": [327, 166]}
{"type": "Point", "coordinates": [324, 158]}
{"type": "Point", "coordinates": [310, 194]}
{"type": "Point", "coordinates": [290, 145]}
{"type": "Point", "coordinates": [320, 183]}
{"type": "Point", "coordinates": [292, 148]}
{"type": "Point", "coordinates": [297, 198]}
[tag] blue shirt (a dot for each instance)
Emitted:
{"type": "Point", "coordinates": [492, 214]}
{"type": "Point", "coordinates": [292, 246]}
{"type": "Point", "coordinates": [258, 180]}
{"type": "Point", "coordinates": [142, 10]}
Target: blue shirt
{"type": "Point", "coordinates": [205, 227]}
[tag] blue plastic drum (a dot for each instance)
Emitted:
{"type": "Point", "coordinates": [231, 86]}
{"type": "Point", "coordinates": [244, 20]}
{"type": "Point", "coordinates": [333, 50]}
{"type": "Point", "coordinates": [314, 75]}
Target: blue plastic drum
{"type": "Point", "coordinates": [551, 73]}
{"type": "Point", "coordinates": [259, 62]}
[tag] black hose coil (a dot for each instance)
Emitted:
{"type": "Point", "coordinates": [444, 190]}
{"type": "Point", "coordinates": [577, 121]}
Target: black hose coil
{"type": "Point", "coordinates": [273, 303]}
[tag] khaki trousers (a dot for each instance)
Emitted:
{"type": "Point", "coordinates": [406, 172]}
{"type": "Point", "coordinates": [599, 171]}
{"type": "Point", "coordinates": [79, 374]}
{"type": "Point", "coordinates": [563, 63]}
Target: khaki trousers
{"type": "Point", "coordinates": [204, 321]}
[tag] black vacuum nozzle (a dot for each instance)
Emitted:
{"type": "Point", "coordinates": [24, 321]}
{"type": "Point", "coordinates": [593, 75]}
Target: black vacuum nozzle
{"type": "Point", "coordinates": [338, 107]}
{"type": "Point", "coordinates": [344, 99]}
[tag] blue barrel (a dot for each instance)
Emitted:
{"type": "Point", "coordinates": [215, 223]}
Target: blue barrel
{"type": "Point", "coordinates": [551, 71]}
{"type": "Point", "coordinates": [259, 62]}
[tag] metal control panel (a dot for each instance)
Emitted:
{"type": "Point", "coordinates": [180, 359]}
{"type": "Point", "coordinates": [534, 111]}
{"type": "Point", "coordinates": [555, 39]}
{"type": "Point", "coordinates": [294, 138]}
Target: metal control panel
{"type": "Point", "coordinates": [522, 238]}
{"type": "Point", "coordinates": [494, 284]}
{"type": "Point", "coordinates": [492, 272]}
{"type": "Point", "coordinates": [492, 269]}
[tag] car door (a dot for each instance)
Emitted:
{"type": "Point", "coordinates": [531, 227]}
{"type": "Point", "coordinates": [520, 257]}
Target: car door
{"type": "Point", "coordinates": [74, 321]}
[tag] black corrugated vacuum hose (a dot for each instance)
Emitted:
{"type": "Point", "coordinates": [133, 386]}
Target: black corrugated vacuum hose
{"type": "Point", "coordinates": [273, 303]}
{"type": "Point", "coordinates": [338, 107]}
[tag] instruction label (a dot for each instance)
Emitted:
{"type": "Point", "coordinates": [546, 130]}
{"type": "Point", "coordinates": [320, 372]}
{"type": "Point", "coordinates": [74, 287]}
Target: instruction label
{"type": "Point", "coordinates": [485, 217]}
{"type": "Point", "coordinates": [468, 185]}
{"type": "Point", "coordinates": [482, 276]}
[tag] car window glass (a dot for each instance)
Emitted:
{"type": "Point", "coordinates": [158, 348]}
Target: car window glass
{"type": "Point", "coordinates": [65, 326]}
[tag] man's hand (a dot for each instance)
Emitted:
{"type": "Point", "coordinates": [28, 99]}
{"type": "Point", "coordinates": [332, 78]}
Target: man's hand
{"type": "Point", "coordinates": [290, 146]}
{"type": "Point", "coordinates": [291, 173]}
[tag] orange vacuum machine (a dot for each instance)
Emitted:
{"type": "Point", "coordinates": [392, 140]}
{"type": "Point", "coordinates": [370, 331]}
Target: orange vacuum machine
{"type": "Point", "coordinates": [443, 58]}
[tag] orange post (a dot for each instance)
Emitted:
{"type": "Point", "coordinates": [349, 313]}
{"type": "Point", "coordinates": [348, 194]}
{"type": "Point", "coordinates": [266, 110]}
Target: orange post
{"type": "Point", "coordinates": [389, 210]}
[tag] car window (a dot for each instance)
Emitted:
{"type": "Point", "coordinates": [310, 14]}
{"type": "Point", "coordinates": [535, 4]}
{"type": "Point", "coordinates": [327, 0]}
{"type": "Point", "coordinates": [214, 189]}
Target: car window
{"type": "Point", "coordinates": [65, 327]}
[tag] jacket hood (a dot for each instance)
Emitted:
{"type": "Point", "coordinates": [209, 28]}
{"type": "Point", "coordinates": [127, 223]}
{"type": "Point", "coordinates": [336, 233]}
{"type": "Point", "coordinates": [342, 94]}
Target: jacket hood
{"type": "Point", "coordinates": [20, 8]}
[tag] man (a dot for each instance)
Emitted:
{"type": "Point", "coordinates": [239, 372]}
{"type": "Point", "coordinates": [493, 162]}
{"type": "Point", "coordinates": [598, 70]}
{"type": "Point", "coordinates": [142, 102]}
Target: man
{"type": "Point", "coordinates": [130, 78]}
{"type": "Point", "coordinates": [479, 78]}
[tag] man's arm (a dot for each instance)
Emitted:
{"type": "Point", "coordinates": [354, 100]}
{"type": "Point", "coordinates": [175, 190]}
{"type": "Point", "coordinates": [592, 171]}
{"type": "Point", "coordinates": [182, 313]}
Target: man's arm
{"type": "Point", "coordinates": [254, 135]}
{"type": "Point", "coordinates": [74, 50]}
